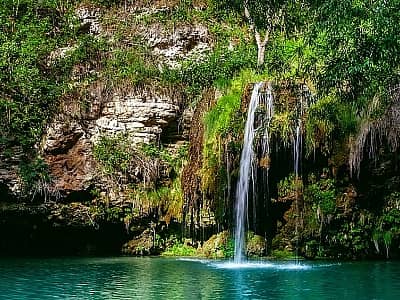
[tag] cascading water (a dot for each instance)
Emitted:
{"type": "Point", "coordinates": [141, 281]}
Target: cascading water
{"type": "Point", "coordinates": [249, 164]}
{"type": "Point", "coordinates": [297, 149]}
{"type": "Point", "coordinates": [266, 139]}
{"type": "Point", "coordinates": [246, 162]}
{"type": "Point", "coordinates": [297, 145]}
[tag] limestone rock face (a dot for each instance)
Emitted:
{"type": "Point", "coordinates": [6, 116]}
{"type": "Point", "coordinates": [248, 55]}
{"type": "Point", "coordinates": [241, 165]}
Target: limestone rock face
{"type": "Point", "coordinates": [68, 143]}
{"type": "Point", "coordinates": [73, 170]}
{"type": "Point", "coordinates": [183, 43]}
{"type": "Point", "coordinates": [89, 19]}
{"type": "Point", "coordinates": [9, 175]}
{"type": "Point", "coordinates": [145, 114]}
{"type": "Point", "coordinates": [142, 115]}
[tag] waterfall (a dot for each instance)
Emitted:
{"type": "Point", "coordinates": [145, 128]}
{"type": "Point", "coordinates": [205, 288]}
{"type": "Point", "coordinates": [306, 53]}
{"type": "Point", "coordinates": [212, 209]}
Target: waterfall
{"type": "Point", "coordinates": [266, 138]}
{"type": "Point", "coordinates": [297, 149]}
{"type": "Point", "coordinates": [297, 145]}
{"type": "Point", "coordinates": [246, 166]}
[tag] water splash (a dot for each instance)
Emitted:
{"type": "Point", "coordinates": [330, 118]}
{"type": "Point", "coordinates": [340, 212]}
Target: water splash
{"type": "Point", "coordinates": [246, 166]}
{"type": "Point", "coordinates": [261, 265]}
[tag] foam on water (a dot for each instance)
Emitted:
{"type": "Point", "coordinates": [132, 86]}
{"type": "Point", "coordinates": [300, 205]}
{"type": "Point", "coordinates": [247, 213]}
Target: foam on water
{"type": "Point", "coordinates": [199, 260]}
{"type": "Point", "coordinates": [261, 265]}
{"type": "Point", "coordinates": [271, 265]}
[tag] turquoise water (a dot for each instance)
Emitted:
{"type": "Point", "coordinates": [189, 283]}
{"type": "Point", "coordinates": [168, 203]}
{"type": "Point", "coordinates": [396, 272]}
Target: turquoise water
{"type": "Point", "coordinates": [168, 278]}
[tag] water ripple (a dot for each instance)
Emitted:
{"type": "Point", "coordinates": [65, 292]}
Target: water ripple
{"type": "Point", "coordinates": [187, 278]}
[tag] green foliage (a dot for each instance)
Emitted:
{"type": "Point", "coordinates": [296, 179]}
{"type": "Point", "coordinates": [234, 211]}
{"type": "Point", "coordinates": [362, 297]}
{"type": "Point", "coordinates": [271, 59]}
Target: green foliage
{"type": "Point", "coordinates": [353, 238]}
{"type": "Point", "coordinates": [387, 227]}
{"type": "Point", "coordinates": [34, 171]}
{"type": "Point", "coordinates": [168, 198]}
{"type": "Point", "coordinates": [28, 87]}
{"type": "Point", "coordinates": [287, 57]}
{"type": "Point", "coordinates": [322, 194]}
{"type": "Point", "coordinates": [174, 160]}
{"type": "Point", "coordinates": [133, 64]}
{"type": "Point", "coordinates": [289, 187]}
{"type": "Point", "coordinates": [274, 15]}
{"type": "Point", "coordinates": [329, 119]}
{"type": "Point", "coordinates": [179, 249]}
{"type": "Point", "coordinates": [221, 122]}
{"type": "Point", "coordinates": [357, 47]}
{"type": "Point", "coordinates": [228, 249]}
{"type": "Point", "coordinates": [283, 254]}
{"type": "Point", "coordinates": [282, 126]}
{"type": "Point", "coordinates": [220, 64]}
{"type": "Point", "coordinates": [114, 153]}
{"type": "Point", "coordinates": [33, 77]}
{"type": "Point", "coordinates": [220, 119]}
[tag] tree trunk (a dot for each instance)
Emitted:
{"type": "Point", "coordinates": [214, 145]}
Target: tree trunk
{"type": "Point", "coordinates": [261, 43]}
{"type": "Point", "coordinates": [260, 54]}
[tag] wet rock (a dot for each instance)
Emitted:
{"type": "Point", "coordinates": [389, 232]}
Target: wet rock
{"type": "Point", "coordinates": [218, 246]}
{"type": "Point", "coordinates": [142, 245]}
{"type": "Point", "coordinates": [256, 245]}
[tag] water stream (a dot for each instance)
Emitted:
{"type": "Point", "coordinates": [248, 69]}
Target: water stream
{"type": "Point", "coordinates": [297, 144]}
{"type": "Point", "coordinates": [245, 176]}
{"type": "Point", "coordinates": [248, 162]}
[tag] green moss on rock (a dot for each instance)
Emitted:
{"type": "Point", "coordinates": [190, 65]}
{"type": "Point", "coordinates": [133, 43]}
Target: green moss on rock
{"type": "Point", "coordinates": [218, 246]}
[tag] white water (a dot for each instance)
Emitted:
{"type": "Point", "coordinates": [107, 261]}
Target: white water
{"type": "Point", "coordinates": [297, 144]}
{"type": "Point", "coordinates": [269, 105]}
{"type": "Point", "coordinates": [242, 192]}
{"type": "Point", "coordinates": [297, 149]}
{"type": "Point", "coordinates": [261, 265]}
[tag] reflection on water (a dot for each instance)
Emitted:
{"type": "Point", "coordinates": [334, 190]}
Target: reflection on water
{"type": "Point", "coordinates": [162, 278]}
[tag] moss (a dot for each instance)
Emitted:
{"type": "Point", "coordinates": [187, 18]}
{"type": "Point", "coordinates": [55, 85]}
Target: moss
{"type": "Point", "coordinates": [256, 245]}
{"type": "Point", "coordinates": [218, 246]}
{"type": "Point", "coordinates": [223, 124]}
{"type": "Point", "coordinates": [283, 254]}
{"type": "Point", "coordinates": [180, 250]}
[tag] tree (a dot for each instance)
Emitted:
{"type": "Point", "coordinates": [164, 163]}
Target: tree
{"type": "Point", "coordinates": [254, 11]}
{"type": "Point", "coordinates": [266, 18]}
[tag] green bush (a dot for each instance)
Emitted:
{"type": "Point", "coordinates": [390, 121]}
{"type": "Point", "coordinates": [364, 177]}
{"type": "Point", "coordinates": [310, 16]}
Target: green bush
{"type": "Point", "coordinates": [114, 153]}
{"type": "Point", "coordinates": [180, 250]}
{"type": "Point", "coordinates": [34, 172]}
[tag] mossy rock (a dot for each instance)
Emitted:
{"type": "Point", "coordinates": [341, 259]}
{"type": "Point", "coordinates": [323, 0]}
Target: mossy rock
{"type": "Point", "coordinates": [256, 245]}
{"type": "Point", "coordinates": [218, 246]}
{"type": "Point", "coordinates": [142, 245]}
{"type": "Point", "coordinates": [283, 254]}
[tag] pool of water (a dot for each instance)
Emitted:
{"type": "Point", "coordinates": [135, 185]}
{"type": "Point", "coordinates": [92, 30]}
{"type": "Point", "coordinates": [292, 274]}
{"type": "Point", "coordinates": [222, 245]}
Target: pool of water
{"type": "Point", "coordinates": [171, 278]}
